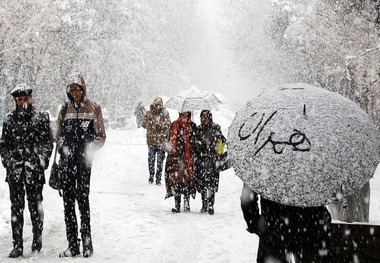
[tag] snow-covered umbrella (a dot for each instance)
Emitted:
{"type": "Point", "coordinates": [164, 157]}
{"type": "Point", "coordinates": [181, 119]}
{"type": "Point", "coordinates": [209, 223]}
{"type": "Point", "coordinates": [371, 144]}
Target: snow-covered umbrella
{"type": "Point", "coordinates": [193, 99]}
{"type": "Point", "coordinates": [302, 145]}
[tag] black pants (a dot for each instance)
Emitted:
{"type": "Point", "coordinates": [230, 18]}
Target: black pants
{"type": "Point", "coordinates": [76, 186]}
{"type": "Point", "coordinates": [17, 196]}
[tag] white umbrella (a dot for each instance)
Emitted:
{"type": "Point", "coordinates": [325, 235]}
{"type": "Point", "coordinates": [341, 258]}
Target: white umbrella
{"type": "Point", "coordinates": [302, 145]}
{"type": "Point", "coordinates": [192, 99]}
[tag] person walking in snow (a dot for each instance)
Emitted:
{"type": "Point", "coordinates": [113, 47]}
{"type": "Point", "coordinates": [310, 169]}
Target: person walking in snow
{"type": "Point", "coordinates": [139, 113]}
{"type": "Point", "coordinates": [157, 123]}
{"type": "Point", "coordinates": [287, 233]}
{"type": "Point", "coordinates": [207, 176]}
{"type": "Point", "coordinates": [25, 147]}
{"type": "Point", "coordinates": [180, 163]}
{"type": "Point", "coordinates": [80, 132]}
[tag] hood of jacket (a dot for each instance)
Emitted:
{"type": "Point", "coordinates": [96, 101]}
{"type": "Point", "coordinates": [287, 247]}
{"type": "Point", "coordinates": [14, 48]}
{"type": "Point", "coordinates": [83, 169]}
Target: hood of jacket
{"type": "Point", "coordinates": [157, 105]}
{"type": "Point", "coordinates": [76, 78]}
{"type": "Point", "coordinates": [157, 102]}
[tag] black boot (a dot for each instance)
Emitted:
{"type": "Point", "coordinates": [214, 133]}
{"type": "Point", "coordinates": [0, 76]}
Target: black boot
{"type": "Point", "coordinates": [204, 207]}
{"type": "Point", "coordinates": [16, 251]}
{"type": "Point", "coordinates": [211, 210]}
{"type": "Point", "coordinates": [17, 234]}
{"type": "Point", "coordinates": [211, 201]}
{"type": "Point", "coordinates": [177, 204]}
{"type": "Point", "coordinates": [71, 251]}
{"type": "Point", "coordinates": [204, 203]}
{"type": "Point", "coordinates": [37, 244]}
{"type": "Point", "coordinates": [88, 250]}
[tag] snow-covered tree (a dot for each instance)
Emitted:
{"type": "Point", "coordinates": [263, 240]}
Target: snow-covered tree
{"type": "Point", "coordinates": [127, 50]}
{"type": "Point", "coordinates": [333, 44]}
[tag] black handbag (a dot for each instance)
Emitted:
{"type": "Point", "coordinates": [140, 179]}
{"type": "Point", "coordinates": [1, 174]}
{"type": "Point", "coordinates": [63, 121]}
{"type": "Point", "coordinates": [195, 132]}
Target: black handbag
{"type": "Point", "coordinates": [55, 176]}
{"type": "Point", "coordinates": [55, 180]}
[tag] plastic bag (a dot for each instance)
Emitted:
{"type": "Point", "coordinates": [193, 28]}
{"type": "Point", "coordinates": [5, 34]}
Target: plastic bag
{"type": "Point", "coordinates": [219, 147]}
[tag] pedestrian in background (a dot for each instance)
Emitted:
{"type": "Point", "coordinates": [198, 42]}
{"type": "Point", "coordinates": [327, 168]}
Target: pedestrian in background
{"type": "Point", "coordinates": [80, 133]}
{"type": "Point", "coordinates": [180, 163]}
{"type": "Point", "coordinates": [25, 147]}
{"type": "Point", "coordinates": [211, 142]}
{"type": "Point", "coordinates": [157, 124]}
{"type": "Point", "coordinates": [139, 113]}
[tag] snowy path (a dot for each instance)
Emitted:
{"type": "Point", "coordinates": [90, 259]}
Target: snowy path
{"type": "Point", "coordinates": [131, 221]}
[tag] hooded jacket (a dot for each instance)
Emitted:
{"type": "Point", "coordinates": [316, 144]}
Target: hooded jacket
{"type": "Point", "coordinates": [156, 124]}
{"type": "Point", "coordinates": [80, 132]}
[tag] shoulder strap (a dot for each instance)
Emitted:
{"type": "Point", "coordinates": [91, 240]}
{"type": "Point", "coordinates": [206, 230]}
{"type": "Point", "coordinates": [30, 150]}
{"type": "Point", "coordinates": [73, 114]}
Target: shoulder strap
{"type": "Point", "coordinates": [63, 113]}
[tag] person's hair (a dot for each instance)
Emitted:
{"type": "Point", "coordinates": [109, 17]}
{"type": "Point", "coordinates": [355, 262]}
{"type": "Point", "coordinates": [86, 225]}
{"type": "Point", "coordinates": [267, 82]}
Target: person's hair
{"type": "Point", "coordinates": [208, 115]}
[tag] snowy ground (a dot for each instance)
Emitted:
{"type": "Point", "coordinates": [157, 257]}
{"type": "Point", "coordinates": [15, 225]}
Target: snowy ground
{"type": "Point", "coordinates": [131, 221]}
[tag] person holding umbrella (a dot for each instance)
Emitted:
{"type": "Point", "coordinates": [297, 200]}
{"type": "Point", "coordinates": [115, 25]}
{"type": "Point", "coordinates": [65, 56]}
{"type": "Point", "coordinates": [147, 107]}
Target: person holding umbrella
{"type": "Point", "coordinates": [180, 162]}
{"type": "Point", "coordinates": [287, 233]}
{"type": "Point", "coordinates": [211, 140]}
{"type": "Point", "coordinates": [291, 145]}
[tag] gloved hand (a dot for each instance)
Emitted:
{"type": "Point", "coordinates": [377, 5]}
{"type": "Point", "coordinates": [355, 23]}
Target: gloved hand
{"type": "Point", "coordinates": [16, 167]}
{"type": "Point", "coordinates": [33, 162]}
{"type": "Point", "coordinates": [15, 171]}
{"type": "Point", "coordinates": [90, 152]}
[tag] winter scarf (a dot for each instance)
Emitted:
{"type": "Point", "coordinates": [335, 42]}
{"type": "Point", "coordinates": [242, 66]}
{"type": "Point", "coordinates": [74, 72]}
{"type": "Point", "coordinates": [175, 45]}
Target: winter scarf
{"type": "Point", "coordinates": [186, 136]}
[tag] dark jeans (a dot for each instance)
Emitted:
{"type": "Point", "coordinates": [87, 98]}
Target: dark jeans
{"type": "Point", "coordinates": [76, 186]}
{"type": "Point", "coordinates": [17, 196]}
{"type": "Point", "coordinates": [154, 150]}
